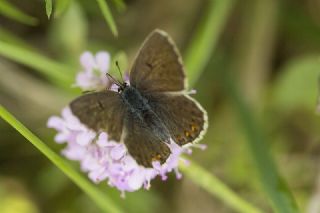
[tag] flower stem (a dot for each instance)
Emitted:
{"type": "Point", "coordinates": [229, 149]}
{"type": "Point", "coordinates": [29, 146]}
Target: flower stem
{"type": "Point", "coordinates": [274, 185]}
{"type": "Point", "coordinates": [197, 56]}
{"type": "Point", "coordinates": [9, 10]}
{"type": "Point", "coordinates": [58, 73]}
{"type": "Point", "coordinates": [101, 199]}
{"type": "Point", "coordinates": [217, 188]}
{"type": "Point", "coordinates": [205, 38]}
{"type": "Point", "coordinates": [108, 16]}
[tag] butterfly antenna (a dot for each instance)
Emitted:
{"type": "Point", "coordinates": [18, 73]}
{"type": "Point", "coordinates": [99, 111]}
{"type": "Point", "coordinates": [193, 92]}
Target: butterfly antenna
{"type": "Point", "coordinates": [117, 64]}
{"type": "Point", "coordinates": [113, 80]}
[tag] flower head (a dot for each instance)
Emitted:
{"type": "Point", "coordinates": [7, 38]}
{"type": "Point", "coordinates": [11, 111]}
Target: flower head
{"type": "Point", "coordinates": [102, 158]}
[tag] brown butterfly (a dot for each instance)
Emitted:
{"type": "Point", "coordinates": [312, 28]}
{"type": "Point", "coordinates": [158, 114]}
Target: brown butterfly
{"type": "Point", "coordinates": [154, 109]}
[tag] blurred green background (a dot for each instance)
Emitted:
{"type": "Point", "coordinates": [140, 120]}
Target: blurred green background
{"type": "Point", "coordinates": [264, 53]}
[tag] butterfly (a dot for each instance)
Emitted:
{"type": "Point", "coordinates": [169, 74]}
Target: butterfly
{"type": "Point", "coordinates": [151, 111]}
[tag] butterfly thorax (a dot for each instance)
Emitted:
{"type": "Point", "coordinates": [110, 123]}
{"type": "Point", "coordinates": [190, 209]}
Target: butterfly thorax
{"type": "Point", "coordinates": [134, 100]}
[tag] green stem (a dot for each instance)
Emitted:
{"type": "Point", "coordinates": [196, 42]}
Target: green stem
{"type": "Point", "coordinates": [206, 37]}
{"type": "Point", "coordinates": [108, 16]}
{"type": "Point", "coordinates": [120, 4]}
{"type": "Point", "coordinates": [59, 74]}
{"type": "Point", "coordinates": [274, 186]}
{"type": "Point", "coordinates": [197, 56]}
{"type": "Point", "coordinates": [10, 11]}
{"type": "Point", "coordinates": [217, 188]}
{"type": "Point", "coordinates": [101, 199]}
{"type": "Point", "coordinates": [60, 7]}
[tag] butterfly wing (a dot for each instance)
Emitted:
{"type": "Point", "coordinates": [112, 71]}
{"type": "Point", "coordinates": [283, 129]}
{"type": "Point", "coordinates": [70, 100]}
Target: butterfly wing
{"type": "Point", "coordinates": [183, 116]}
{"type": "Point", "coordinates": [101, 111]}
{"type": "Point", "coordinates": [145, 139]}
{"type": "Point", "coordinates": [158, 65]}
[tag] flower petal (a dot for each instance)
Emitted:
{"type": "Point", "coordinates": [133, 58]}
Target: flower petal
{"type": "Point", "coordinates": [55, 122]}
{"type": "Point", "coordinates": [87, 61]}
{"type": "Point", "coordinates": [103, 61]}
{"type": "Point", "coordinates": [85, 138]}
{"type": "Point", "coordinates": [118, 152]}
{"type": "Point", "coordinates": [136, 180]}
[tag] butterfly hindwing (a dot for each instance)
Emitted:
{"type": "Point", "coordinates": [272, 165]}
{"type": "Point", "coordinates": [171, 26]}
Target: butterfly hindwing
{"type": "Point", "coordinates": [101, 111]}
{"type": "Point", "coordinates": [158, 65]}
{"type": "Point", "coordinates": [185, 119]}
{"type": "Point", "coordinates": [145, 141]}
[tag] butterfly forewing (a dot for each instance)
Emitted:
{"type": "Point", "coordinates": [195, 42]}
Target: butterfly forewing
{"type": "Point", "coordinates": [158, 65]}
{"type": "Point", "coordinates": [101, 111]}
{"type": "Point", "coordinates": [185, 119]}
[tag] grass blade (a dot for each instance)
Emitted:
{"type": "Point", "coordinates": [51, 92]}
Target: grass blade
{"type": "Point", "coordinates": [108, 16]}
{"type": "Point", "coordinates": [9, 37]}
{"type": "Point", "coordinates": [215, 187]}
{"type": "Point", "coordinates": [57, 73]}
{"type": "Point", "coordinates": [101, 199]}
{"type": "Point", "coordinates": [10, 11]}
{"type": "Point", "coordinates": [206, 37]}
{"type": "Point", "coordinates": [60, 7]}
{"type": "Point", "coordinates": [120, 5]}
{"type": "Point", "coordinates": [197, 57]}
{"type": "Point", "coordinates": [274, 186]}
{"type": "Point", "coordinates": [48, 8]}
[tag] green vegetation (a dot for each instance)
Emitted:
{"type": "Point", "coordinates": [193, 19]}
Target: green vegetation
{"type": "Point", "coordinates": [254, 64]}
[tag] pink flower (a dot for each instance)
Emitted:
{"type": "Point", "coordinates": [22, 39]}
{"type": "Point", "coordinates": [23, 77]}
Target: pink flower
{"type": "Point", "coordinates": [104, 159]}
{"type": "Point", "coordinates": [93, 75]}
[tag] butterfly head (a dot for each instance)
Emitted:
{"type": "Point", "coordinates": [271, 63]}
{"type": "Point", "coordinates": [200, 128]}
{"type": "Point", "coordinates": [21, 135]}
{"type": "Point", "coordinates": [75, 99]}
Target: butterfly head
{"type": "Point", "coordinates": [122, 86]}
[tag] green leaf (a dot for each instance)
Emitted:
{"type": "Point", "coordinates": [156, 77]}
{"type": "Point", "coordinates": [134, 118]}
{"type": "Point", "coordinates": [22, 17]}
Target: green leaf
{"type": "Point", "coordinates": [205, 39]}
{"type": "Point", "coordinates": [215, 187]}
{"type": "Point", "coordinates": [275, 187]}
{"type": "Point", "coordinates": [10, 37]}
{"type": "Point", "coordinates": [121, 6]}
{"type": "Point", "coordinates": [55, 72]}
{"type": "Point", "coordinates": [10, 11]}
{"type": "Point", "coordinates": [48, 8]}
{"type": "Point", "coordinates": [197, 57]}
{"type": "Point", "coordinates": [101, 199]}
{"type": "Point", "coordinates": [108, 16]}
{"type": "Point", "coordinates": [69, 33]}
{"type": "Point", "coordinates": [60, 7]}
{"type": "Point", "coordinates": [297, 84]}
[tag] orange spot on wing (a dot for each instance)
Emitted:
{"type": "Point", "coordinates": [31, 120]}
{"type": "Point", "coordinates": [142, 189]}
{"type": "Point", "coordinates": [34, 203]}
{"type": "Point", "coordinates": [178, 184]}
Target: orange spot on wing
{"type": "Point", "coordinates": [156, 158]}
{"type": "Point", "coordinates": [194, 128]}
